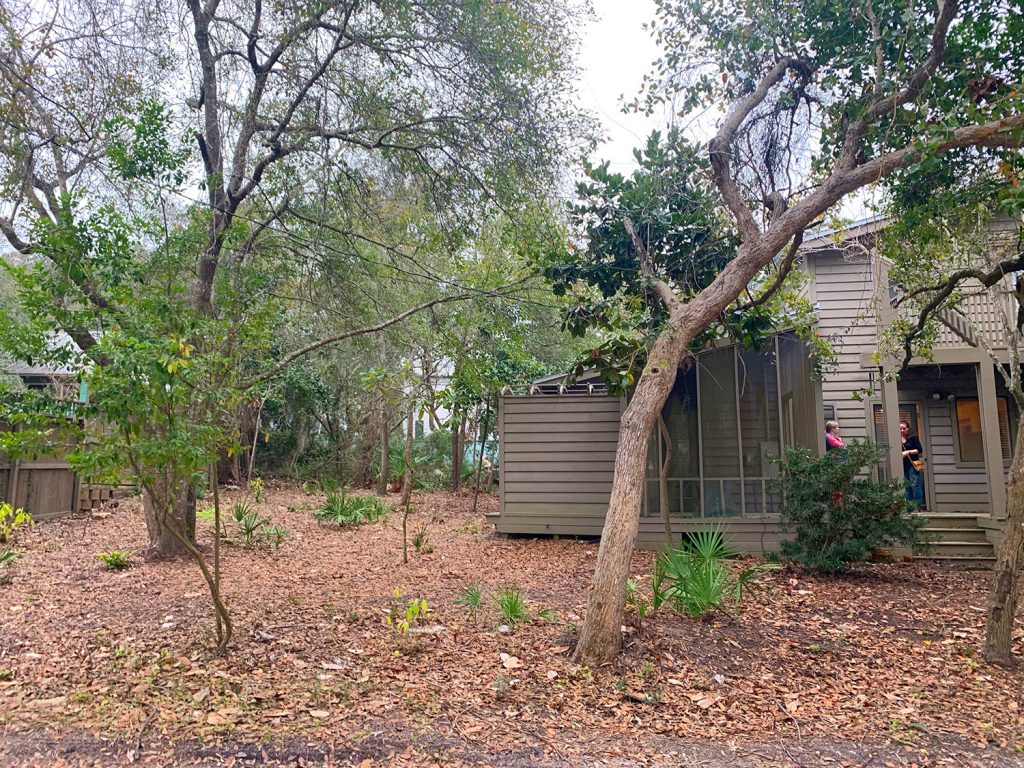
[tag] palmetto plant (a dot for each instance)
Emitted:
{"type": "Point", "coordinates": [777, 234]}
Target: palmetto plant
{"type": "Point", "coordinates": [512, 605]}
{"type": "Point", "coordinates": [343, 509]}
{"type": "Point", "coordinates": [696, 578]}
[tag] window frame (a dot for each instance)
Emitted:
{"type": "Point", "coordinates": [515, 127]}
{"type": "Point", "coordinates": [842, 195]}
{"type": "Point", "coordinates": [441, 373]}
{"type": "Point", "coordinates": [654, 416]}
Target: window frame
{"type": "Point", "coordinates": [954, 419]}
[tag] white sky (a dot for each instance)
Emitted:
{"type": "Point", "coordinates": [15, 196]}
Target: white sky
{"type": "Point", "coordinates": [616, 53]}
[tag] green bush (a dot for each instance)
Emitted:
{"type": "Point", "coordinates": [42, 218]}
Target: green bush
{"type": "Point", "coordinates": [696, 578]}
{"type": "Point", "coordinates": [115, 559]}
{"type": "Point", "coordinates": [343, 509]}
{"type": "Point", "coordinates": [837, 512]}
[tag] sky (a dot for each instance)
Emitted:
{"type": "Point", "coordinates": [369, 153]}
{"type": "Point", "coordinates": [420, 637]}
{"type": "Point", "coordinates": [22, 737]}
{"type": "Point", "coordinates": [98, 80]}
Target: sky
{"type": "Point", "coordinates": [616, 53]}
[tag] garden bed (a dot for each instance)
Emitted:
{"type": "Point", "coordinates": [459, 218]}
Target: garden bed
{"type": "Point", "coordinates": [108, 667]}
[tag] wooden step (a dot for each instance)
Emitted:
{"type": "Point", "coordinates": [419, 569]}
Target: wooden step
{"type": "Point", "coordinates": [955, 548]}
{"type": "Point", "coordinates": [952, 519]}
{"type": "Point", "coordinates": [957, 534]}
{"type": "Point", "coordinates": [962, 562]}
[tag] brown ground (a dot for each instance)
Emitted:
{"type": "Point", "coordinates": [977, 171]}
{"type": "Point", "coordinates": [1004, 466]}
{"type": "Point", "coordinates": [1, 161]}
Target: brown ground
{"type": "Point", "coordinates": [109, 668]}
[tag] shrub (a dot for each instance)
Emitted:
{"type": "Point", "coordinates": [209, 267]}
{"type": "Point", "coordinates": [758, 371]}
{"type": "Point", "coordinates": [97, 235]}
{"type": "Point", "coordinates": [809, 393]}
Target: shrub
{"type": "Point", "coordinates": [837, 512]}
{"type": "Point", "coordinates": [241, 510]}
{"type": "Point", "coordinates": [256, 486]}
{"type": "Point", "coordinates": [7, 558]}
{"type": "Point", "coordinates": [330, 484]}
{"type": "Point", "coordinates": [250, 528]}
{"type": "Point", "coordinates": [10, 520]}
{"type": "Point", "coordinates": [696, 578]}
{"type": "Point", "coordinates": [351, 510]}
{"type": "Point", "coordinates": [115, 559]}
{"type": "Point", "coordinates": [421, 540]}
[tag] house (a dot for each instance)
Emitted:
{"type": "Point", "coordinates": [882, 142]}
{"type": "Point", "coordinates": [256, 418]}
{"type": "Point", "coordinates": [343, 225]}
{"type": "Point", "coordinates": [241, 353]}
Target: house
{"type": "Point", "coordinates": [735, 407]}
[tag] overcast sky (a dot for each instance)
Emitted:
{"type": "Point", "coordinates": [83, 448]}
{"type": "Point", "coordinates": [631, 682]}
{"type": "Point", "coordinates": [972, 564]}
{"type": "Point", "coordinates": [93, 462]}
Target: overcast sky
{"type": "Point", "coordinates": [616, 53]}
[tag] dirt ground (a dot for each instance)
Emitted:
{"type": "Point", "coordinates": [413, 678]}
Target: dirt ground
{"type": "Point", "coordinates": [880, 668]}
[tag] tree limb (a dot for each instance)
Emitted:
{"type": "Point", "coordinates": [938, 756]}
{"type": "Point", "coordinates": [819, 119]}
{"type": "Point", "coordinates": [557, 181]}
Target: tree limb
{"type": "Point", "coordinates": [281, 364]}
{"type": "Point", "coordinates": [720, 147]}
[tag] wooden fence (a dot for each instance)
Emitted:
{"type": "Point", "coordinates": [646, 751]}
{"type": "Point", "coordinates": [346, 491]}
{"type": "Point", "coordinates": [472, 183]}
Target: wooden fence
{"type": "Point", "coordinates": [46, 487]}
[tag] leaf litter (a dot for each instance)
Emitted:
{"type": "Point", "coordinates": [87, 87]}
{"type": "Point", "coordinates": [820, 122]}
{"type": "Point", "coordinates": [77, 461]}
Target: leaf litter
{"type": "Point", "coordinates": [875, 668]}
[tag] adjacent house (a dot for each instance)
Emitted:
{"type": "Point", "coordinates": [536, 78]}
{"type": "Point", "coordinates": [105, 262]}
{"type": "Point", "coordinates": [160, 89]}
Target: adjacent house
{"type": "Point", "coordinates": [733, 408]}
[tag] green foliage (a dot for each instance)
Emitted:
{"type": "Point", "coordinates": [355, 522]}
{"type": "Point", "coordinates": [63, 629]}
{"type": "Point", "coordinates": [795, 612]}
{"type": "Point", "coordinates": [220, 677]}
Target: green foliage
{"type": "Point", "coordinates": [696, 577]}
{"type": "Point", "coordinates": [256, 486]}
{"type": "Point", "coordinates": [511, 606]}
{"type": "Point", "coordinates": [402, 618]}
{"type": "Point", "coordinates": [274, 535]}
{"type": "Point", "coordinates": [250, 528]}
{"type": "Point", "coordinates": [8, 556]}
{"type": "Point", "coordinates": [351, 510]}
{"type": "Point", "coordinates": [421, 540]}
{"type": "Point", "coordinates": [115, 559]}
{"type": "Point", "coordinates": [330, 484]}
{"type": "Point", "coordinates": [241, 510]}
{"type": "Point", "coordinates": [472, 598]}
{"type": "Point", "coordinates": [837, 512]}
{"type": "Point", "coordinates": [10, 520]}
{"type": "Point", "coordinates": [636, 602]}
{"type": "Point", "coordinates": [678, 216]}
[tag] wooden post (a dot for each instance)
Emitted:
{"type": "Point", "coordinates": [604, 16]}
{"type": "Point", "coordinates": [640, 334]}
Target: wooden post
{"type": "Point", "coordinates": [989, 407]}
{"type": "Point", "coordinates": [891, 413]}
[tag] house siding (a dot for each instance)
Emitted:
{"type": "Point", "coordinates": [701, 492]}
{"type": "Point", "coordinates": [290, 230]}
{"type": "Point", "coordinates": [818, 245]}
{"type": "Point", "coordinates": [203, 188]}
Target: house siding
{"type": "Point", "coordinates": [844, 291]}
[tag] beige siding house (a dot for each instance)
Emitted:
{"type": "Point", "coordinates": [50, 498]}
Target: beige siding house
{"type": "Point", "coordinates": [735, 408]}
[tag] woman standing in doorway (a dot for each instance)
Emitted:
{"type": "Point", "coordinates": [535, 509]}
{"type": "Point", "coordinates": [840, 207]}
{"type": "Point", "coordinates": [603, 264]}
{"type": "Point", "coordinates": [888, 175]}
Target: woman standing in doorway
{"type": "Point", "coordinates": [913, 466]}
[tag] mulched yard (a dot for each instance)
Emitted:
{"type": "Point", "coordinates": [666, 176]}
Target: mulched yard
{"type": "Point", "coordinates": [880, 668]}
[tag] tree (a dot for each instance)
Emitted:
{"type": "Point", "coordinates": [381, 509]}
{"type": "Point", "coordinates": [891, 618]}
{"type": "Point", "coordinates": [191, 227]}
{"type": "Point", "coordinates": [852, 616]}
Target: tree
{"type": "Point", "coordinates": [943, 252]}
{"type": "Point", "coordinates": [815, 115]}
{"type": "Point", "coordinates": [292, 110]}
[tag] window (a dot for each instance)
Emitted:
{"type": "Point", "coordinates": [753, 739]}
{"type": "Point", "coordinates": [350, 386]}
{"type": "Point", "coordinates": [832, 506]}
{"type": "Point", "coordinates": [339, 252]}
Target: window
{"type": "Point", "coordinates": [970, 448]}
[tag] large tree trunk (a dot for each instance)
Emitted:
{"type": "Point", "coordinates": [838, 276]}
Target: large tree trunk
{"type": "Point", "coordinates": [601, 636]}
{"type": "Point", "coordinates": [161, 524]}
{"type": "Point", "coordinates": [1002, 604]}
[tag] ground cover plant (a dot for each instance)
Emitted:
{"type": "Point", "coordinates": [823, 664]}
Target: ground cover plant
{"type": "Point", "coordinates": [351, 509]}
{"type": "Point", "coordinates": [880, 664]}
{"type": "Point", "coordinates": [696, 577]}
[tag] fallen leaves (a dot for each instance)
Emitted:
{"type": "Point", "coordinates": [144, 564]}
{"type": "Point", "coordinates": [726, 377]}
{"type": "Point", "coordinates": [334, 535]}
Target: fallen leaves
{"type": "Point", "coordinates": [884, 656]}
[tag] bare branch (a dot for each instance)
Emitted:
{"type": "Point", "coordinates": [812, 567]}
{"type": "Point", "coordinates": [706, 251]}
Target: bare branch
{"type": "Point", "coordinates": [292, 357]}
{"type": "Point", "coordinates": [720, 147]}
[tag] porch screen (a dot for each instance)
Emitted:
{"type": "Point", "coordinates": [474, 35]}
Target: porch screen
{"type": "Point", "coordinates": [728, 416]}
{"type": "Point", "coordinates": [719, 431]}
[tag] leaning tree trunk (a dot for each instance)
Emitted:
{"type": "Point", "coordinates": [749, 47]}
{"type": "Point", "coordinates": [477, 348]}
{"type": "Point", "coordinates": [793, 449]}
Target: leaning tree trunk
{"type": "Point", "coordinates": [162, 539]}
{"type": "Point", "coordinates": [1002, 604]}
{"type": "Point", "coordinates": [601, 636]}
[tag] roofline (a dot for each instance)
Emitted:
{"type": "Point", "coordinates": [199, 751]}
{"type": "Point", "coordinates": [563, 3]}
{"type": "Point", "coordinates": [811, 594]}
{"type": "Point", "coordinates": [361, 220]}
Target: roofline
{"type": "Point", "coordinates": [820, 238]}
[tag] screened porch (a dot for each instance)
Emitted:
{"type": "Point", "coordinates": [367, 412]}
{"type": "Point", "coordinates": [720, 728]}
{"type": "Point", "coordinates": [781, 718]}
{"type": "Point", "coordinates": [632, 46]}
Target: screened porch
{"type": "Point", "coordinates": [730, 411]}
